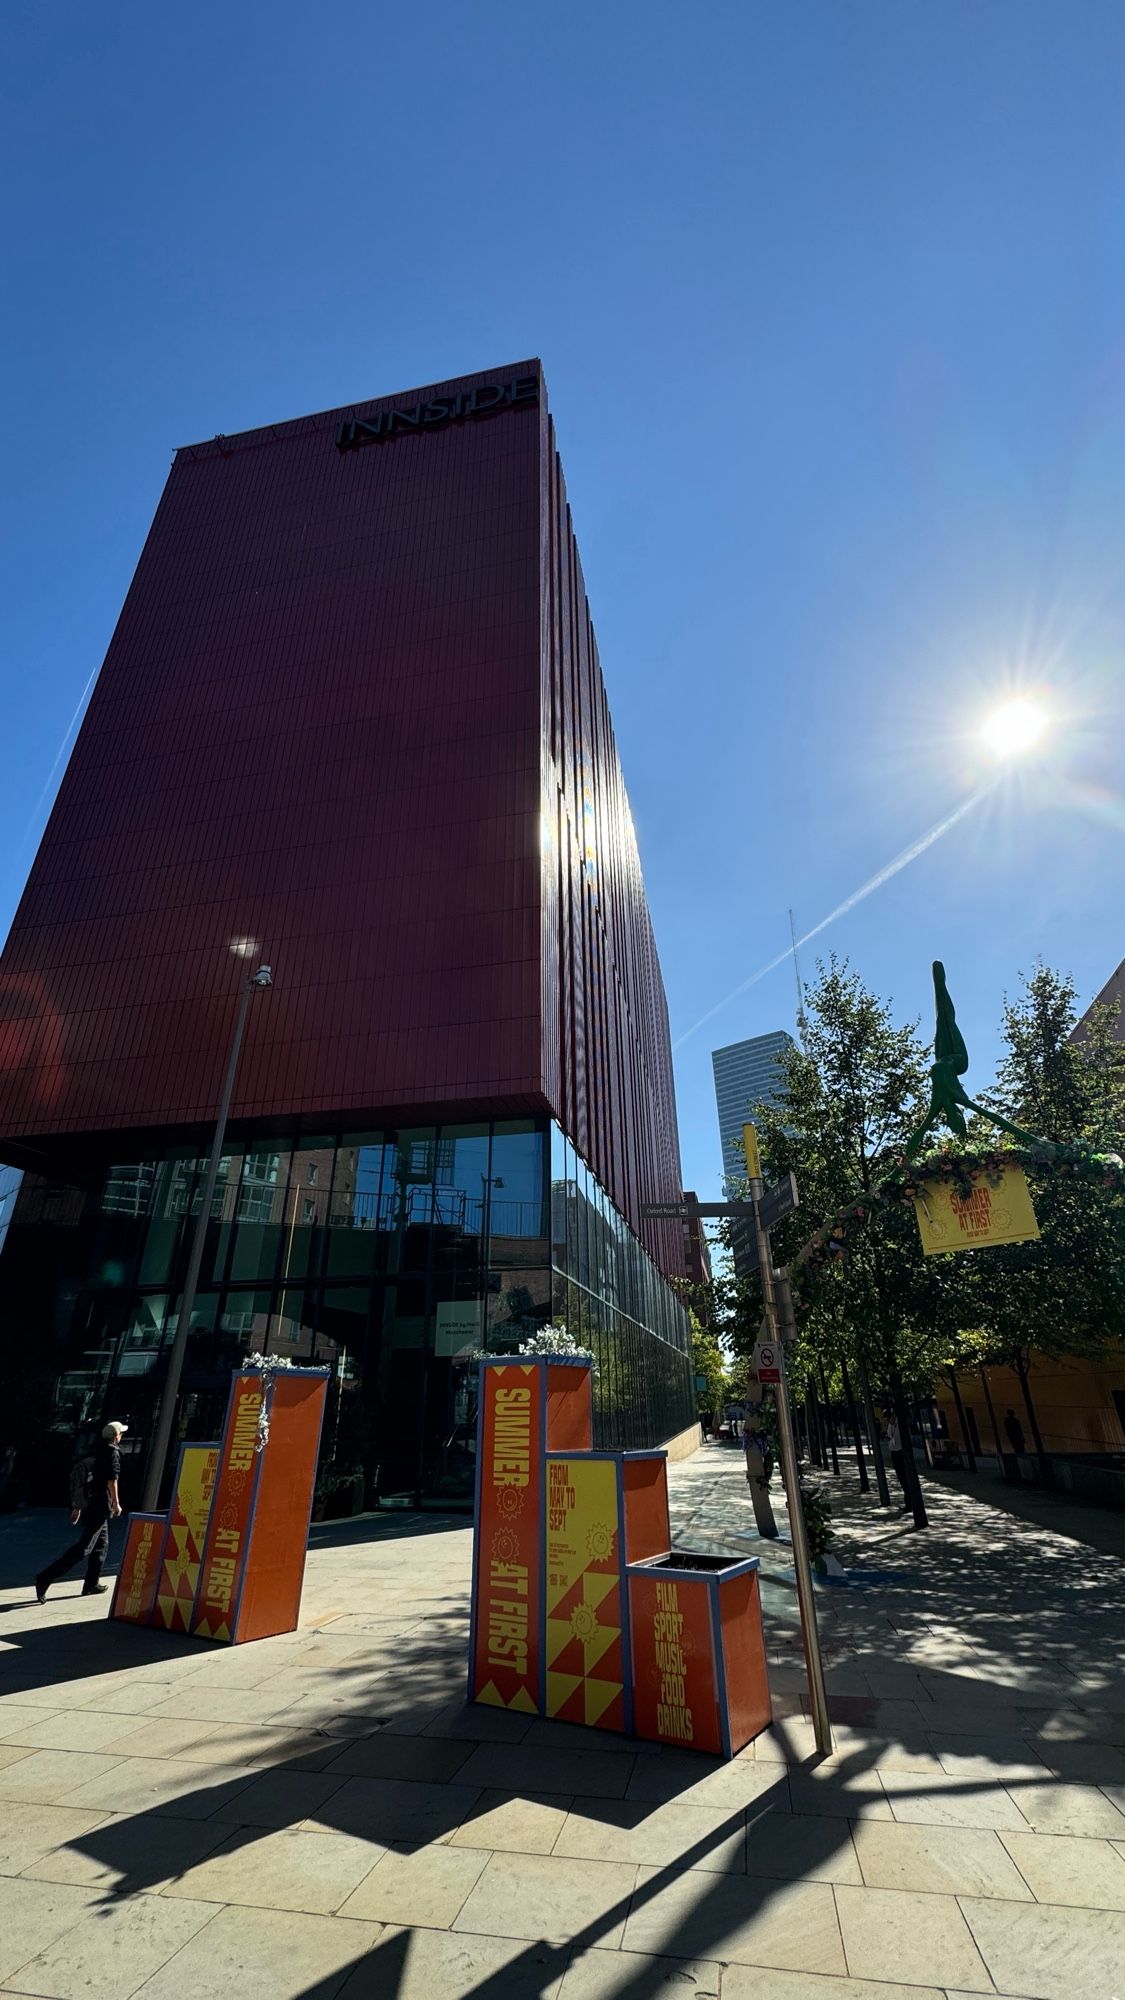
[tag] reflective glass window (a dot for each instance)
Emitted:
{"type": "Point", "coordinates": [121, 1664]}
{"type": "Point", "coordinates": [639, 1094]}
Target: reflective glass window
{"type": "Point", "coordinates": [360, 1207]}
{"type": "Point", "coordinates": [262, 1211]}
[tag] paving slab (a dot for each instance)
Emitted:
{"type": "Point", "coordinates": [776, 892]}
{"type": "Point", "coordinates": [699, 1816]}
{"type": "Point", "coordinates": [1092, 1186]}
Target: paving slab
{"type": "Point", "coordinates": [155, 1784]}
{"type": "Point", "coordinates": [51, 1777]}
{"type": "Point", "coordinates": [742, 1982]}
{"type": "Point", "coordinates": [991, 1758]}
{"type": "Point", "coordinates": [450, 1965]}
{"type": "Point", "coordinates": [893, 1934]}
{"type": "Point", "coordinates": [1060, 1808]}
{"type": "Point", "coordinates": [602, 1774]}
{"type": "Point", "coordinates": [468, 1722]}
{"type": "Point", "coordinates": [113, 1949]}
{"type": "Point", "coordinates": [314, 1872]}
{"type": "Point", "coordinates": [70, 1729]}
{"type": "Point", "coordinates": [513, 1822]}
{"type": "Point", "coordinates": [950, 1860]}
{"type": "Point", "coordinates": [949, 1801]}
{"type": "Point", "coordinates": [424, 1885]}
{"type": "Point", "coordinates": [17, 1715]}
{"type": "Point", "coordinates": [801, 1847]}
{"type": "Point", "coordinates": [1049, 1953]}
{"type": "Point", "coordinates": [693, 1780]}
{"type": "Point", "coordinates": [603, 1975]}
{"type": "Point", "coordinates": [1060, 1868]}
{"type": "Point", "coordinates": [830, 1790]}
{"type": "Point", "coordinates": [545, 1896]}
{"type": "Point", "coordinates": [280, 1798]}
{"type": "Point", "coordinates": [225, 1743]}
{"type": "Point", "coordinates": [777, 1924]}
{"type": "Point", "coordinates": [390, 1809]}
{"type": "Point", "coordinates": [29, 1832]}
{"type": "Point", "coordinates": [127, 1853]}
{"type": "Point", "coordinates": [422, 1759]}
{"type": "Point", "coordinates": [692, 1836]}
{"type": "Point", "coordinates": [33, 1915]}
{"type": "Point", "coordinates": [263, 1955]}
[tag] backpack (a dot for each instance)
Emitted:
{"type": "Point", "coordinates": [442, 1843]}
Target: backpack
{"type": "Point", "coordinates": [81, 1483]}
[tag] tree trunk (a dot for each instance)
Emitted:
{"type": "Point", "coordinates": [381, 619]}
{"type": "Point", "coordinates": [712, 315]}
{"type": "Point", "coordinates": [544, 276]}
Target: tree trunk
{"type": "Point", "coordinates": [755, 1463]}
{"type": "Point", "coordinates": [829, 1422]}
{"type": "Point", "coordinates": [914, 1498]}
{"type": "Point", "coordinates": [969, 1453]}
{"type": "Point", "coordinates": [873, 1436]}
{"type": "Point", "coordinates": [992, 1419]}
{"type": "Point", "coordinates": [1023, 1370]}
{"type": "Point", "coordinates": [853, 1421]}
{"type": "Point", "coordinates": [818, 1425]}
{"type": "Point", "coordinates": [810, 1428]}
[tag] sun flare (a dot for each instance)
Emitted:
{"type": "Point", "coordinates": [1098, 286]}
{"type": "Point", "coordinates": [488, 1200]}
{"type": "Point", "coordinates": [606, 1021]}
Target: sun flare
{"type": "Point", "coordinates": [1015, 727]}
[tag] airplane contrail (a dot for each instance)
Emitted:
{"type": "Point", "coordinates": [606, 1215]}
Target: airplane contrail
{"type": "Point", "coordinates": [59, 755]}
{"type": "Point", "coordinates": [902, 860]}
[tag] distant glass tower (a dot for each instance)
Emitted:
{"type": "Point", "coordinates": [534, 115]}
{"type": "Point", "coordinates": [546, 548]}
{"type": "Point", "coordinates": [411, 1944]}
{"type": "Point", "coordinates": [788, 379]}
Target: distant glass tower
{"type": "Point", "coordinates": [746, 1074]}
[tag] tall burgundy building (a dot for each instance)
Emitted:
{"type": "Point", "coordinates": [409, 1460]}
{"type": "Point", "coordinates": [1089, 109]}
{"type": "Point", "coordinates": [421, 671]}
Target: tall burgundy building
{"type": "Point", "coordinates": [351, 723]}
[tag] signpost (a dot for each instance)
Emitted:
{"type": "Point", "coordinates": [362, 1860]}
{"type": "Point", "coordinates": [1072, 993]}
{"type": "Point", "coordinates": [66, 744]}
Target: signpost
{"type": "Point", "coordinates": [788, 1450]}
{"type": "Point", "coordinates": [751, 1222]}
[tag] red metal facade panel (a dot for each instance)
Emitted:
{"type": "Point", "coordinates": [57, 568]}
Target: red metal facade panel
{"type": "Point", "coordinates": [352, 710]}
{"type": "Point", "coordinates": [317, 726]}
{"type": "Point", "coordinates": [607, 1059]}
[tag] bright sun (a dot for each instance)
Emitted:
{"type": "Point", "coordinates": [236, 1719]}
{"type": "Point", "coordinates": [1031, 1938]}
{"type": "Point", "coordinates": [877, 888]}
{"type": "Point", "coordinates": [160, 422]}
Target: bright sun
{"type": "Point", "coordinates": [1014, 728]}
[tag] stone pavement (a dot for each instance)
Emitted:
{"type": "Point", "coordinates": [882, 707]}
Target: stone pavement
{"type": "Point", "coordinates": [320, 1815]}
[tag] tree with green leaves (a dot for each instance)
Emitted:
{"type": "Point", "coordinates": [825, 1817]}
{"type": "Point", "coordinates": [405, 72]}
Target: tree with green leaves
{"type": "Point", "coordinates": [1065, 1292]}
{"type": "Point", "coordinates": [709, 1363]}
{"type": "Point", "coordinates": [849, 1097]}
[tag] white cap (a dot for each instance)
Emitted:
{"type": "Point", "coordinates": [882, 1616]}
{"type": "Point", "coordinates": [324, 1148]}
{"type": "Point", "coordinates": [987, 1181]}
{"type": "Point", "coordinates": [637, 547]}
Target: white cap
{"type": "Point", "coordinates": [114, 1430]}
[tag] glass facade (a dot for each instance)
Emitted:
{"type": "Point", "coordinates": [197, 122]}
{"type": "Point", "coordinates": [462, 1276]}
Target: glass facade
{"type": "Point", "coordinates": [609, 1294]}
{"type": "Point", "coordinates": [390, 1258]}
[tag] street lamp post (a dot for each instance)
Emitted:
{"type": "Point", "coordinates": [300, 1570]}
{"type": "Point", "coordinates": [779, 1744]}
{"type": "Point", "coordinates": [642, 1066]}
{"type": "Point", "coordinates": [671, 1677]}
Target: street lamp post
{"type": "Point", "coordinates": [159, 1452]}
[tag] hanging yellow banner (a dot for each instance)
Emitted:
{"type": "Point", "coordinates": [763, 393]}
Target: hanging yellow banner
{"type": "Point", "coordinates": [992, 1214]}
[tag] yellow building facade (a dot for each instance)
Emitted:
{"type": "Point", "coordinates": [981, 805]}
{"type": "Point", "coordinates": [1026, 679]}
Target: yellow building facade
{"type": "Point", "coordinates": [1080, 1405]}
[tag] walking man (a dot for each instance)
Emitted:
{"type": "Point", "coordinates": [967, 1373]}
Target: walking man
{"type": "Point", "coordinates": [1014, 1429]}
{"type": "Point", "coordinates": [102, 1507]}
{"type": "Point", "coordinates": [898, 1458]}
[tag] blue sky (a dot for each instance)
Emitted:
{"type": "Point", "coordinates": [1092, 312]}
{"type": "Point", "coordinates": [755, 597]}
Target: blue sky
{"type": "Point", "coordinates": [831, 299]}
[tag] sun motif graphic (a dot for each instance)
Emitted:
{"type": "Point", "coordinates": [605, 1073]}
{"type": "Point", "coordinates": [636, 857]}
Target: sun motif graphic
{"type": "Point", "coordinates": [509, 1500]}
{"type": "Point", "coordinates": [599, 1542]}
{"type": "Point", "coordinates": [584, 1622]}
{"type": "Point", "coordinates": [505, 1547]}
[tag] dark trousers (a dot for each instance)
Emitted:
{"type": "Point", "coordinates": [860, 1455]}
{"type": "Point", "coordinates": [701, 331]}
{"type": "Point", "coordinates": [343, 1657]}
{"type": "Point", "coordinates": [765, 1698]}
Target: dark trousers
{"type": "Point", "coordinates": [92, 1546]}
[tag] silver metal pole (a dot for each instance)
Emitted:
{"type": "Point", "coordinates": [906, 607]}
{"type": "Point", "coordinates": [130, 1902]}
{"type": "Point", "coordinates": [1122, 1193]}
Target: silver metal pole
{"type": "Point", "coordinates": [168, 1400]}
{"type": "Point", "coordinates": [818, 1696]}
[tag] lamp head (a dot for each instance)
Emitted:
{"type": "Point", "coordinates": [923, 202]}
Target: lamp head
{"type": "Point", "coordinates": [263, 976]}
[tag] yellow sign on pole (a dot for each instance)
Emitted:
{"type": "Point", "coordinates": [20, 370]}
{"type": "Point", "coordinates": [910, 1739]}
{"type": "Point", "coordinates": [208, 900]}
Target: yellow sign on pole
{"type": "Point", "coordinates": [750, 1148]}
{"type": "Point", "coordinates": [992, 1214]}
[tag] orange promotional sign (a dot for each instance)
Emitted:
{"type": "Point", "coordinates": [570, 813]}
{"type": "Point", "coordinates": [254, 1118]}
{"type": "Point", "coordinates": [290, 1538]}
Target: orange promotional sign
{"type": "Point", "coordinates": [231, 1512]}
{"type": "Point", "coordinates": [269, 1600]}
{"type": "Point", "coordinates": [585, 1619]}
{"type": "Point", "coordinates": [674, 1693]}
{"type": "Point", "coordinates": [504, 1666]}
{"type": "Point", "coordinates": [135, 1590]}
{"type": "Point", "coordinates": [183, 1545]}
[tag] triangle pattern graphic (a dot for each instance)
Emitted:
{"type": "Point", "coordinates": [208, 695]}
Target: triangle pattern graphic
{"type": "Point", "coordinates": [599, 1695]}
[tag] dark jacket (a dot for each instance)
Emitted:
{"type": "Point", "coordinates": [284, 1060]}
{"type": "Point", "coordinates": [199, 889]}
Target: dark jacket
{"type": "Point", "coordinates": [107, 1466]}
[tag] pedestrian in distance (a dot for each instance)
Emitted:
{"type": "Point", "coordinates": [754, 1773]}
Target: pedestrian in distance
{"type": "Point", "coordinates": [1014, 1429]}
{"type": "Point", "coordinates": [898, 1458]}
{"type": "Point", "coordinates": [101, 1505]}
